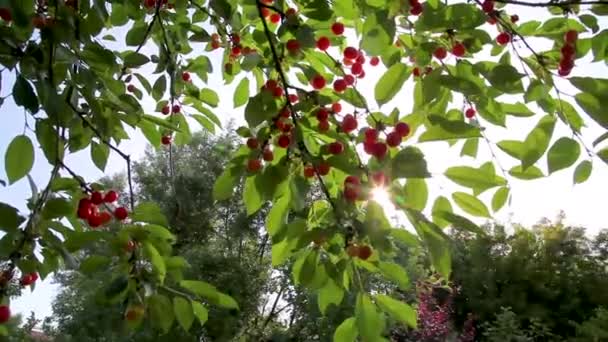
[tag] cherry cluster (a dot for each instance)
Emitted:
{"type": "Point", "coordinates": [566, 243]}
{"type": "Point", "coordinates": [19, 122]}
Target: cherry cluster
{"type": "Point", "coordinates": [503, 37]}
{"type": "Point", "coordinates": [153, 3]}
{"type": "Point", "coordinates": [27, 279]}
{"type": "Point", "coordinates": [568, 52]}
{"type": "Point", "coordinates": [377, 148]}
{"type": "Point", "coordinates": [362, 252]}
{"type": "Point", "coordinates": [88, 209]}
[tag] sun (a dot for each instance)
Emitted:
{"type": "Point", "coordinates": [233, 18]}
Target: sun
{"type": "Point", "coordinates": [382, 196]}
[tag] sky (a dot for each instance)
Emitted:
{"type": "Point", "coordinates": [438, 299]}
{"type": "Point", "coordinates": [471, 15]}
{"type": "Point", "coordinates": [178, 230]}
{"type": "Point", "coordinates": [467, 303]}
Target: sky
{"type": "Point", "coordinates": [531, 200]}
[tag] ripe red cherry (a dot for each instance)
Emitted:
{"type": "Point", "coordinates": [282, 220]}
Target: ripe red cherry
{"type": "Point", "coordinates": [186, 76]}
{"type": "Point", "coordinates": [336, 147]}
{"type": "Point", "coordinates": [440, 53]}
{"type": "Point", "coordinates": [277, 92]}
{"type": "Point", "coordinates": [379, 150]}
{"type": "Point", "coordinates": [416, 72]}
{"type": "Point", "coordinates": [352, 250]}
{"type": "Point", "coordinates": [337, 28]}
{"type": "Point", "coordinates": [267, 155]}
{"type": "Point", "coordinates": [356, 68]}
{"type": "Point", "coordinates": [364, 252]}
{"type": "Point", "coordinates": [254, 165]}
{"type": "Point", "coordinates": [121, 213]}
{"type": "Point", "coordinates": [416, 9]}
{"type": "Point", "coordinates": [349, 79]}
{"type": "Point", "coordinates": [110, 197]}
{"type": "Point", "coordinates": [323, 168]}
{"type": "Point", "coordinates": [96, 197]}
{"type": "Point", "coordinates": [284, 141]}
{"type": "Point", "coordinates": [215, 44]}
{"type": "Point", "coordinates": [291, 11]}
{"type": "Point", "coordinates": [469, 113]}
{"type": "Point", "coordinates": [393, 139]}
{"type": "Point", "coordinates": [28, 279]}
{"type": "Point", "coordinates": [340, 85]}
{"type": "Point", "coordinates": [568, 51]}
{"type": "Point", "coordinates": [571, 36]}
{"type": "Point", "coordinates": [348, 62]}
{"type": "Point", "coordinates": [362, 74]}
{"type": "Point", "coordinates": [374, 61]}
{"type": "Point", "coordinates": [5, 311]}
{"type": "Point", "coordinates": [563, 72]}
{"type": "Point", "coordinates": [458, 50]}
{"type": "Point", "coordinates": [84, 212]}
{"type": "Point", "coordinates": [176, 108]}
{"type": "Point", "coordinates": [318, 82]}
{"type": "Point", "coordinates": [492, 20]}
{"type": "Point", "coordinates": [130, 88]}
{"type": "Point", "coordinates": [130, 246]}
{"type": "Point", "coordinates": [293, 98]}
{"type": "Point", "coordinates": [166, 110]}
{"type": "Point", "coordinates": [361, 58]}
{"type": "Point", "coordinates": [323, 43]}
{"type": "Point", "coordinates": [265, 12]}
{"type": "Point", "coordinates": [351, 193]}
{"type": "Point", "coordinates": [351, 53]}
{"type": "Point", "coordinates": [6, 14]}
{"type": "Point", "coordinates": [215, 36]}
{"type": "Point", "coordinates": [235, 38]}
{"type": "Point", "coordinates": [105, 217]}
{"type": "Point", "coordinates": [322, 114]}
{"type": "Point", "coordinates": [378, 178]}
{"type": "Point", "coordinates": [514, 18]}
{"type": "Point", "coordinates": [286, 128]}
{"type": "Point", "coordinates": [95, 221]}
{"type": "Point", "coordinates": [309, 171]}
{"type": "Point", "coordinates": [371, 134]}
{"type": "Point", "coordinates": [323, 126]}
{"type": "Point", "coordinates": [252, 143]}
{"type": "Point", "coordinates": [402, 129]}
{"type": "Point", "coordinates": [271, 84]}
{"type": "Point", "coordinates": [285, 113]}
{"type": "Point", "coordinates": [352, 180]}
{"type": "Point", "coordinates": [503, 38]}
{"type": "Point", "coordinates": [349, 123]}
{"type": "Point", "coordinates": [275, 18]}
{"type": "Point", "coordinates": [166, 140]}
{"type": "Point", "coordinates": [336, 107]}
{"type": "Point", "coordinates": [487, 6]}
{"type": "Point", "coordinates": [150, 3]}
{"type": "Point", "coordinates": [236, 50]}
{"type": "Point", "coordinates": [292, 45]}
{"type": "Point", "coordinates": [566, 64]}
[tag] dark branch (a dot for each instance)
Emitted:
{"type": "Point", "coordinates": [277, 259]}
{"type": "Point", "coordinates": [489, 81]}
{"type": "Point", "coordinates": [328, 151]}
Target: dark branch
{"type": "Point", "coordinates": [562, 4]}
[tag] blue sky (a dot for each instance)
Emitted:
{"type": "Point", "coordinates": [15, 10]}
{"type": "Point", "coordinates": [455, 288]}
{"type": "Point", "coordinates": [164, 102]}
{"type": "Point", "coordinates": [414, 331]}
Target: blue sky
{"type": "Point", "coordinates": [532, 200]}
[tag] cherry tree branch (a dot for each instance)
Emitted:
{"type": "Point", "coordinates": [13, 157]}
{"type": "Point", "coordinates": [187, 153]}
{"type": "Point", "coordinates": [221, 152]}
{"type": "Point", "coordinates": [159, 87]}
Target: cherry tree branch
{"type": "Point", "coordinates": [565, 3]}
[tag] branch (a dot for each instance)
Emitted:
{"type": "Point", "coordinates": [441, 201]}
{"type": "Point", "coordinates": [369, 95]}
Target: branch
{"type": "Point", "coordinates": [146, 35]}
{"type": "Point", "coordinates": [213, 17]}
{"type": "Point", "coordinates": [551, 3]}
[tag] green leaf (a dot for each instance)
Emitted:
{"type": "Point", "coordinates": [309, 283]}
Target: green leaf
{"type": "Point", "coordinates": [395, 273]}
{"type": "Point", "coordinates": [409, 163]}
{"type": "Point", "coordinates": [444, 129]}
{"type": "Point", "coordinates": [277, 216]}
{"type": "Point", "coordinates": [346, 331]}
{"type": "Point", "coordinates": [260, 108]}
{"type": "Point", "coordinates": [251, 196]}
{"type": "Point", "coordinates": [157, 261]}
{"type": "Point", "coordinates": [24, 96]}
{"type": "Point", "coordinates": [354, 97]}
{"type": "Point", "coordinates": [582, 171]}
{"type": "Point", "coordinates": [405, 237]}
{"type": "Point", "coordinates": [57, 207]}
{"type": "Point", "coordinates": [203, 121]}
{"type": "Point", "coordinates": [160, 122]}
{"type": "Point", "coordinates": [460, 222]}
{"type": "Point", "coordinates": [209, 292]}
{"type": "Point", "coordinates": [150, 213]}
{"type": "Point", "coordinates": [241, 93]}
{"type": "Point", "coordinates": [226, 182]}
{"type": "Point", "coordinates": [479, 179]}
{"type": "Point", "coordinates": [603, 154]}
{"type": "Point", "coordinates": [592, 105]}
{"type": "Point", "coordinates": [470, 148]}
{"type": "Point", "coordinates": [183, 312]}
{"type": "Point", "coordinates": [100, 154]}
{"type": "Point", "coordinates": [329, 294]}
{"type": "Point", "coordinates": [500, 198]}
{"type": "Point", "coordinates": [160, 313]}
{"type": "Point", "coordinates": [93, 264]}
{"type": "Point", "coordinates": [537, 141]}
{"type": "Point", "coordinates": [378, 33]}
{"type": "Point", "coordinates": [136, 34]}
{"type": "Point", "coordinates": [562, 154]}
{"type": "Point", "coordinates": [400, 311]}
{"type": "Point", "coordinates": [135, 59]}
{"type": "Point", "coordinates": [470, 204]}
{"type": "Point", "coordinates": [200, 312]}
{"type": "Point", "coordinates": [590, 21]}
{"type": "Point", "coordinates": [435, 240]}
{"type": "Point", "coordinates": [209, 97]}
{"type": "Point", "coordinates": [391, 82]}
{"type": "Point", "coordinates": [506, 78]}
{"type": "Point", "coordinates": [159, 88]}
{"type": "Point", "coordinates": [19, 158]}
{"type": "Point", "coordinates": [370, 322]}
{"type": "Point", "coordinates": [442, 204]}
{"type": "Point", "coordinates": [515, 149]}
{"type": "Point", "coordinates": [530, 173]}
{"type": "Point", "coordinates": [9, 217]}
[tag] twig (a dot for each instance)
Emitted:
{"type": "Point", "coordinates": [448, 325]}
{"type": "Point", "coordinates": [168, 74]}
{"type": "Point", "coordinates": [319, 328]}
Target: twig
{"type": "Point", "coordinates": [146, 35]}
{"type": "Point", "coordinates": [552, 3]}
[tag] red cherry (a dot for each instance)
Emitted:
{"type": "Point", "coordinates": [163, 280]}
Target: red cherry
{"type": "Point", "coordinates": [322, 114]}
{"type": "Point", "coordinates": [368, 147]}
{"type": "Point", "coordinates": [284, 141]}
{"type": "Point", "coordinates": [323, 126]}
{"type": "Point", "coordinates": [254, 165]}
{"type": "Point", "coordinates": [275, 18]}
{"type": "Point", "coordinates": [84, 212]}
{"type": "Point", "coordinates": [393, 139]}
{"type": "Point", "coordinates": [5, 311]}
{"type": "Point", "coordinates": [309, 171]}
{"type": "Point", "coordinates": [470, 113]}
{"type": "Point", "coordinates": [492, 20]}
{"type": "Point", "coordinates": [236, 50]}
{"type": "Point", "coordinates": [166, 110]}
{"type": "Point", "coordinates": [402, 129]}
{"type": "Point", "coordinates": [371, 134]}
{"type": "Point", "coordinates": [563, 72]}
{"type": "Point", "coordinates": [291, 11]}
{"type": "Point", "coordinates": [364, 252]}
{"type": "Point", "coordinates": [286, 128]}
{"type": "Point", "coordinates": [94, 221]}
{"type": "Point", "coordinates": [246, 50]}
{"type": "Point", "coordinates": [121, 213]}
{"type": "Point", "coordinates": [318, 82]}
{"type": "Point", "coordinates": [176, 108]}
{"type": "Point", "coordinates": [337, 28]}
{"type": "Point", "coordinates": [458, 50]}
{"type": "Point", "coordinates": [150, 3]}
{"type": "Point", "coordinates": [349, 123]}
{"type": "Point", "coordinates": [361, 58]}
{"type": "Point", "coordinates": [252, 143]}
{"type": "Point", "coordinates": [568, 51]}
{"type": "Point", "coordinates": [96, 197]}
{"type": "Point", "coordinates": [110, 197]}
{"type": "Point", "coordinates": [186, 76]}
{"type": "Point", "coordinates": [356, 68]}
{"type": "Point", "coordinates": [130, 88]}
{"type": "Point", "coordinates": [566, 64]}
{"type": "Point", "coordinates": [267, 155]}
{"type": "Point", "coordinates": [362, 74]}
{"type": "Point", "coordinates": [336, 107]}
{"type": "Point", "coordinates": [285, 113]}
{"type": "Point", "coordinates": [340, 85]}
{"type": "Point", "coordinates": [571, 36]}
{"type": "Point", "coordinates": [503, 38]}
{"type": "Point", "coordinates": [351, 193]}
{"type": "Point", "coordinates": [416, 9]}
{"type": "Point", "coordinates": [416, 72]}
{"type": "Point", "coordinates": [379, 150]}
{"type": "Point", "coordinates": [292, 45]}
{"type": "Point", "coordinates": [235, 38]}
{"type": "Point", "coordinates": [349, 79]}
{"type": "Point", "coordinates": [265, 12]}
{"type": "Point", "coordinates": [271, 84]}
{"type": "Point", "coordinates": [488, 6]}
{"type": "Point", "coordinates": [336, 147]}
{"type": "Point", "coordinates": [350, 53]}
{"type": "Point", "coordinates": [374, 61]}
{"type": "Point", "coordinates": [323, 43]}
{"type": "Point", "coordinates": [293, 98]}
{"type": "Point", "coordinates": [7, 16]}
{"type": "Point", "coordinates": [514, 18]}
{"type": "Point", "coordinates": [352, 250]}
{"type": "Point", "coordinates": [215, 44]}
{"type": "Point", "coordinates": [84, 202]}
{"type": "Point", "coordinates": [378, 178]}
{"type": "Point", "coordinates": [277, 92]}
{"type": "Point", "coordinates": [440, 53]}
{"type": "Point", "coordinates": [348, 62]}
{"type": "Point", "coordinates": [131, 246]}
{"type": "Point", "coordinates": [105, 217]}
{"type": "Point", "coordinates": [28, 279]}
{"type": "Point", "coordinates": [166, 140]}
{"type": "Point", "coordinates": [323, 168]}
{"type": "Point", "coordinates": [215, 36]}
{"type": "Point", "coordinates": [352, 180]}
